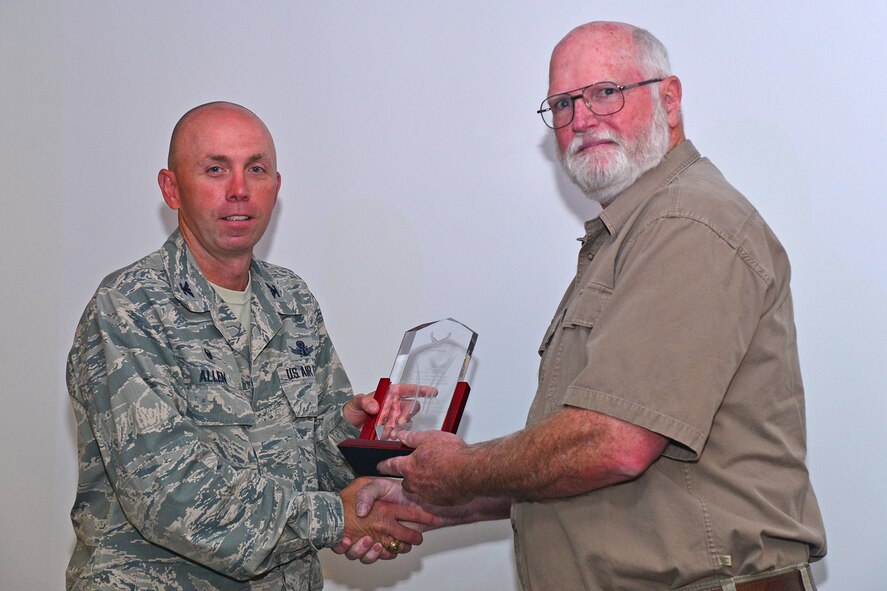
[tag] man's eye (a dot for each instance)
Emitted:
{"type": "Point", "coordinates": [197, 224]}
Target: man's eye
{"type": "Point", "coordinates": [561, 104]}
{"type": "Point", "coordinates": [257, 169]}
{"type": "Point", "coordinates": [214, 169]}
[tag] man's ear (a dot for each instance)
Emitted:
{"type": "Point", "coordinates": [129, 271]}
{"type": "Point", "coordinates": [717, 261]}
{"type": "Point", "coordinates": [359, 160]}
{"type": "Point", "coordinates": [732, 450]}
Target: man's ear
{"type": "Point", "coordinates": [672, 97]}
{"type": "Point", "coordinates": [277, 191]}
{"type": "Point", "coordinates": [169, 187]}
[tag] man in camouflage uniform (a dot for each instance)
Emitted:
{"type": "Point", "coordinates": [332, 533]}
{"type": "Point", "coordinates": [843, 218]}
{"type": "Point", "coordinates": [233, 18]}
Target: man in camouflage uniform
{"type": "Point", "coordinates": [209, 398]}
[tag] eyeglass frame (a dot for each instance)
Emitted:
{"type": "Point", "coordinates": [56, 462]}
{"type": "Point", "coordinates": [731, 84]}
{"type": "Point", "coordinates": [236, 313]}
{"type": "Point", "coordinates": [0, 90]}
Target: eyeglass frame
{"type": "Point", "coordinates": [581, 94]}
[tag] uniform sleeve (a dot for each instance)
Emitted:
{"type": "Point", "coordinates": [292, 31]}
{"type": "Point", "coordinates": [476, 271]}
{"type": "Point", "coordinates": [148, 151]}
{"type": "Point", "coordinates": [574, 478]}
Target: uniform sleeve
{"type": "Point", "coordinates": [665, 344]}
{"type": "Point", "coordinates": [334, 389]}
{"type": "Point", "coordinates": [173, 486]}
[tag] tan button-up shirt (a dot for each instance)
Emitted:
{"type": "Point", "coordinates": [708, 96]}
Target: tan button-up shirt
{"type": "Point", "coordinates": [679, 320]}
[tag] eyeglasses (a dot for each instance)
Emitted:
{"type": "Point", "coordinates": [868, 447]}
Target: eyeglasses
{"type": "Point", "coordinates": [601, 98]}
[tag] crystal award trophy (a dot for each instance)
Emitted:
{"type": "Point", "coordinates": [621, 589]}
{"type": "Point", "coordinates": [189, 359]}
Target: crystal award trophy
{"type": "Point", "coordinates": [425, 391]}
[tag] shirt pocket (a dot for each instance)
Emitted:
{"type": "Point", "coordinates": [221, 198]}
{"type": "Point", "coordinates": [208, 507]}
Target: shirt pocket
{"type": "Point", "coordinates": [299, 385]}
{"type": "Point", "coordinates": [223, 417]}
{"type": "Point", "coordinates": [296, 450]}
{"type": "Point", "coordinates": [219, 405]}
{"type": "Point", "coordinates": [297, 376]}
{"type": "Point", "coordinates": [552, 329]}
{"type": "Point", "coordinates": [569, 351]}
{"type": "Point", "coordinates": [585, 308]}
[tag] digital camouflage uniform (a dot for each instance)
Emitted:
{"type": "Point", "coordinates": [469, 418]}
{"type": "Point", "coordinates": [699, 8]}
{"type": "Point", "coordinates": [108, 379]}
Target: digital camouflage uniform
{"type": "Point", "coordinates": [207, 456]}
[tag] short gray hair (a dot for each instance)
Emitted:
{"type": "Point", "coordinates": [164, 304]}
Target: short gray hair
{"type": "Point", "coordinates": [652, 56]}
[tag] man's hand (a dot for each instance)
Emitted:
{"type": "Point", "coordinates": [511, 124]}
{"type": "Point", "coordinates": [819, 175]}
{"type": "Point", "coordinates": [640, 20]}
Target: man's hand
{"type": "Point", "coordinates": [376, 529]}
{"type": "Point", "coordinates": [401, 404]}
{"type": "Point", "coordinates": [357, 410]}
{"type": "Point", "coordinates": [391, 490]}
{"type": "Point", "coordinates": [432, 472]}
{"type": "Point", "coordinates": [366, 550]}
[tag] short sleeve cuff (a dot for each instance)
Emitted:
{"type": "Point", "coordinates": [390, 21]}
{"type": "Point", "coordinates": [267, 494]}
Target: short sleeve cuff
{"type": "Point", "coordinates": [685, 442]}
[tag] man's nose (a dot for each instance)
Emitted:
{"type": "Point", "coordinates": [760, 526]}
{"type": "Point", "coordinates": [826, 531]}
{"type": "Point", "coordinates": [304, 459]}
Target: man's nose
{"type": "Point", "coordinates": [583, 118]}
{"type": "Point", "coordinates": [238, 190]}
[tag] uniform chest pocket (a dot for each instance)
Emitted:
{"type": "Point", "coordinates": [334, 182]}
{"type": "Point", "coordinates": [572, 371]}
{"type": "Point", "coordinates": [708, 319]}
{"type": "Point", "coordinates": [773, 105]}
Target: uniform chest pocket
{"type": "Point", "coordinates": [218, 404]}
{"type": "Point", "coordinates": [299, 385]}
{"type": "Point", "coordinates": [223, 418]}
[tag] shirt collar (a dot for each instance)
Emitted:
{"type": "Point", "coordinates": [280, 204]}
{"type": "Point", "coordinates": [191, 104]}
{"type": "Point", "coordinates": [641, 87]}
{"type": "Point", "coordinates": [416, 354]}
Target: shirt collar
{"type": "Point", "coordinates": [188, 283]}
{"type": "Point", "coordinates": [269, 292]}
{"type": "Point", "coordinates": [192, 289]}
{"type": "Point", "coordinates": [626, 203]}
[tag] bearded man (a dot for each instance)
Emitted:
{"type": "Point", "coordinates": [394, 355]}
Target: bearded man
{"type": "Point", "coordinates": [665, 447]}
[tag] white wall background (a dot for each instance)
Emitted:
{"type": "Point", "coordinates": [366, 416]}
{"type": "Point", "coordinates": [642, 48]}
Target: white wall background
{"type": "Point", "coordinates": [418, 183]}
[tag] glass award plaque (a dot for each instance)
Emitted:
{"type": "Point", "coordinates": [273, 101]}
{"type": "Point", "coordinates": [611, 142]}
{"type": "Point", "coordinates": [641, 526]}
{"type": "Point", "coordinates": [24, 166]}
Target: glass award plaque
{"type": "Point", "coordinates": [425, 391]}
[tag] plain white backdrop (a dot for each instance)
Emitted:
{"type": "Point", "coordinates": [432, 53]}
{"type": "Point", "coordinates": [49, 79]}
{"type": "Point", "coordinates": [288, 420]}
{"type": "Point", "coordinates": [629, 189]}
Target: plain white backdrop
{"type": "Point", "coordinates": [418, 183]}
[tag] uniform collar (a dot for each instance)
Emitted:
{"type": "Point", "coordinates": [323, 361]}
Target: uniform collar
{"type": "Point", "coordinates": [270, 293]}
{"type": "Point", "coordinates": [191, 288]}
{"type": "Point", "coordinates": [187, 281]}
{"type": "Point", "coordinates": [626, 203]}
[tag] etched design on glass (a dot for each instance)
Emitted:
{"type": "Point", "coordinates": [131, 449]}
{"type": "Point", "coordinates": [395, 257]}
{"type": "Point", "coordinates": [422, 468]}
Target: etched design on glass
{"type": "Point", "coordinates": [431, 360]}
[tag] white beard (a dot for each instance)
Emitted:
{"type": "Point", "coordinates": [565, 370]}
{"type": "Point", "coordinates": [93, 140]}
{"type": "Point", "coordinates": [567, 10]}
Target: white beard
{"type": "Point", "coordinates": [603, 176]}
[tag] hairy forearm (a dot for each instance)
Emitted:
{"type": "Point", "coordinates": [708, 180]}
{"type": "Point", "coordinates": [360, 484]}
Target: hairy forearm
{"type": "Point", "coordinates": [572, 452]}
{"type": "Point", "coordinates": [478, 509]}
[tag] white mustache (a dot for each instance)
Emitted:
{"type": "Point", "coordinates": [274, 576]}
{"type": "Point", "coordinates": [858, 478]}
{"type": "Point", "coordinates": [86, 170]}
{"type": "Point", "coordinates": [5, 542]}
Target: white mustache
{"type": "Point", "coordinates": [583, 140]}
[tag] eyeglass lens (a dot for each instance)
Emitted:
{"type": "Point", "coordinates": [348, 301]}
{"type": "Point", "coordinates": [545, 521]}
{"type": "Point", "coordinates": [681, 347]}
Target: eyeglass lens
{"type": "Point", "coordinates": [604, 98]}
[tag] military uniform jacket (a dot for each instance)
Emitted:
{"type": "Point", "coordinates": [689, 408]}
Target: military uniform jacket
{"type": "Point", "coordinates": [207, 455]}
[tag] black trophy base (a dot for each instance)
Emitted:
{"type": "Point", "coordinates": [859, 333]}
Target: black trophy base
{"type": "Point", "coordinates": [364, 454]}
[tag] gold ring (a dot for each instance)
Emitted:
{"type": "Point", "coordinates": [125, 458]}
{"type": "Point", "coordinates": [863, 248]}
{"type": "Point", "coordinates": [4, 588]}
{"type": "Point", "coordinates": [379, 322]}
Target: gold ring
{"type": "Point", "coordinates": [393, 546]}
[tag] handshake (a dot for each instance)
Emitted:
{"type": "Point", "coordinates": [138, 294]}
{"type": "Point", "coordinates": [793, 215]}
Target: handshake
{"type": "Point", "coordinates": [381, 520]}
{"type": "Point", "coordinates": [385, 516]}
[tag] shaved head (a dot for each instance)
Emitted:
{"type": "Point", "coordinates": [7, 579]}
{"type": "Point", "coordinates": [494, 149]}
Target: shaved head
{"type": "Point", "coordinates": [223, 182]}
{"type": "Point", "coordinates": [180, 135]}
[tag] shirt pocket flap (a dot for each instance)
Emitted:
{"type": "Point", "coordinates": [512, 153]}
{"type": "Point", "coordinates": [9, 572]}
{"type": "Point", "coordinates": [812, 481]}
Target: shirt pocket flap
{"type": "Point", "coordinates": [586, 306]}
{"type": "Point", "coordinates": [552, 328]}
{"type": "Point", "coordinates": [218, 404]}
{"type": "Point", "coordinates": [300, 388]}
